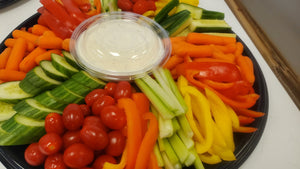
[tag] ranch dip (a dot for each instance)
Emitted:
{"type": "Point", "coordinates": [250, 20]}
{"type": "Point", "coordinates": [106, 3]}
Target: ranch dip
{"type": "Point", "coordinates": [119, 47]}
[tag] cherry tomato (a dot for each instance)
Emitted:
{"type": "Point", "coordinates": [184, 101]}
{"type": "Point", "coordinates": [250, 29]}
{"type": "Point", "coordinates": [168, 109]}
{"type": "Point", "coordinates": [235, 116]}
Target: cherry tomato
{"type": "Point", "coordinates": [33, 155]}
{"type": "Point", "coordinates": [113, 117]}
{"type": "Point", "coordinates": [102, 102]}
{"type": "Point", "coordinates": [85, 109]}
{"type": "Point", "coordinates": [55, 161]}
{"type": "Point", "coordinates": [95, 137]}
{"type": "Point", "coordinates": [71, 137]}
{"type": "Point", "coordinates": [94, 95]}
{"type": "Point", "coordinates": [110, 87]}
{"type": "Point", "coordinates": [73, 117]}
{"type": "Point", "coordinates": [116, 143]}
{"type": "Point", "coordinates": [78, 155]}
{"type": "Point", "coordinates": [99, 162]}
{"type": "Point", "coordinates": [54, 123]}
{"type": "Point", "coordinates": [151, 5]}
{"type": "Point", "coordinates": [140, 7]}
{"type": "Point", "coordinates": [123, 89]}
{"type": "Point", "coordinates": [95, 121]}
{"type": "Point", "coordinates": [125, 5]}
{"type": "Point", "coordinates": [50, 143]}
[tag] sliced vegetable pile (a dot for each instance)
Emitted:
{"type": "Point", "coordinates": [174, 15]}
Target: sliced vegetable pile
{"type": "Point", "coordinates": [184, 114]}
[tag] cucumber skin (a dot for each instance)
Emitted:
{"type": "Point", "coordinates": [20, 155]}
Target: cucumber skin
{"type": "Point", "coordinates": [70, 59]}
{"type": "Point", "coordinates": [86, 79]}
{"type": "Point", "coordinates": [49, 101]}
{"type": "Point", "coordinates": [77, 88]}
{"type": "Point", "coordinates": [66, 96]}
{"type": "Point", "coordinates": [53, 75]}
{"type": "Point", "coordinates": [17, 88]}
{"type": "Point", "coordinates": [67, 71]}
{"type": "Point", "coordinates": [30, 88]}
{"type": "Point", "coordinates": [163, 13]}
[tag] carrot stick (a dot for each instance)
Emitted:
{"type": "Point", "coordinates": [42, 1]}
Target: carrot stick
{"type": "Point", "coordinates": [11, 75]}
{"type": "Point", "coordinates": [239, 49]}
{"type": "Point", "coordinates": [17, 54]}
{"type": "Point", "coordinates": [148, 142]}
{"type": "Point", "coordinates": [246, 68]}
{"type": "Point", "coordinates": [10, 42]}
{"type": "Point", "coordinates": [206, 39]}
{"type": "Point", "coordinates": [26, 35]}
{"type": "Point", "coordinates": [46, 55]}
{"type": "Point", "coordinates": [38, 29]}
{"type": "Point", "coordinates": [182, 48]}
{"type": "Point", "coordinates": [222, 56]}
{"type": "Point", "coordinates": [66, 44]}
{"type": "Point", "coordinates": [29, 61]}
{"type": "Point", "coordinates": [210, 60]}
{"type": "Point", "coordinates": [173, 61]}
{"type": "Point", "coordinates": [4, 57]}
{"type": "Point", "coordinates": [229, 48]}
{"type": "Point", "coordinates": [134, 131]}
{"type": "Point", "coordinates": [49, 42]}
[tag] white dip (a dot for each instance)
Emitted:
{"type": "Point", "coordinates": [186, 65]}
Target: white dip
{"type": "Point", "coordinates": [119, 47]}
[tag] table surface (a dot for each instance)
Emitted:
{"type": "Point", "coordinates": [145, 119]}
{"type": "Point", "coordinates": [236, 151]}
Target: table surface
{"type": "Point", "coordinates": [279, 147]}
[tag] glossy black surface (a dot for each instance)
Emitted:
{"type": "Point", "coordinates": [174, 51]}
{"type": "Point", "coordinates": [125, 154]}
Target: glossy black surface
{"type": "Point", "coordinates": [13, 156]}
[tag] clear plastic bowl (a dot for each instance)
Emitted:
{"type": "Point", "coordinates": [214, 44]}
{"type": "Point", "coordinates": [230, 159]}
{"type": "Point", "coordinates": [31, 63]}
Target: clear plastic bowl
{"type": "Point", "coordinates": [120, 45]}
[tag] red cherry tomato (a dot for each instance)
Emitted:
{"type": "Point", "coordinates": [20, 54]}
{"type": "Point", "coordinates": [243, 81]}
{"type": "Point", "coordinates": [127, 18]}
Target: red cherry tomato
{"type": "Point", "coordinates": [99, 162]}
{"type": "Point", "coordinates": [116, 143]}
{"type": "Point", "coordinates": [95, 137]}
{"type": "Point", "coordinates": [33, 155]}
{"type": "Point", "coordinates": [125, 5]}
{"type": "Point", "coordinates": [55, 161]}
{"type": "Point", "coordinates": [151, 5]}
{"type": "Point", "coordinates": [123, 89]}
{"type": "Point", "coordinates": [54, 123]}
{"type": "Point", "coordinates": [50, 143]}
{"type": "Point", "coordinates": [78, 155]}
{"type": "Point", "coordinates": [102, 102]}
{"type": "Point", "coordinates": [85, 109]}
{"type": "Point", "coordinates": [73, 117]}
{"type": "Point", "coordinates": [113, 117]}
{"type": "Point", "coordinates": [140, 7]}
{"type": "Point", "coordinates": [110, 87]}
{"type": "Point", "coordinates": [94, 95]}
{"type": "Point", "coordinates": [95, 121]}
{"type": "Point", "coordinates": [71, 137]}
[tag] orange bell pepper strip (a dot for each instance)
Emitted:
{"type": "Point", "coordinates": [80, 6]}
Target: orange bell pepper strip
{"type": "Point", "coordinates": [143, 104]}
{"type": "Point", "coordinates": [134, 130]}
{"type": "Point", "coordinates": [148, 142]}
{"type": "Point", "coordinates": [245, 129]}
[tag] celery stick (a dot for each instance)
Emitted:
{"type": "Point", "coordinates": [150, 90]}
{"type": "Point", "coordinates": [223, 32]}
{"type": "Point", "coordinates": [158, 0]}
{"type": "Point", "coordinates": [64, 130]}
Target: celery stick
{"type": "Point", "coordinates": [185, 125]}
{"type": "Point", "coordinates": [168, 164]}
{"type": "Point", "coordinates": [160, 161]}
{"type": "Point", "coordinates": [198, 163]}
{"type": "Point", "coordinates": [187, 141]}
{"type": "Point", "coordinates": [176, 125]}
{"type": "Point", "coordinates": [171, 153]}
{"type": "Point", "coordinates": [161, 144]}
{"type": "Point", "coordinates": [190, 159]}
{"type": "Point", "coordinates": [158, 104]}
{"type": "Point", "coordinates": [165, 125]}
{"type": "Point", "coordinates": [179, 148]}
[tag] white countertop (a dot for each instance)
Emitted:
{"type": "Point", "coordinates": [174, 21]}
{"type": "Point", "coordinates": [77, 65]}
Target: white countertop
{"type": "Point", "coordinates": [279, 147]}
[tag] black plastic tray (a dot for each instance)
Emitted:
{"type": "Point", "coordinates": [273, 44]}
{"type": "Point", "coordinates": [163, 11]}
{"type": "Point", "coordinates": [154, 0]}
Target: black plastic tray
{"type": "Point", "coordinates": [6, 3]}
{"type": "Point", "coordinates": [13, 156]}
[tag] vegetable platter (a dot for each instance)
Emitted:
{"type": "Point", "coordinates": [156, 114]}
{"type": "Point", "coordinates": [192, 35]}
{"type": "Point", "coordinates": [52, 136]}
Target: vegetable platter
{"type": "Point", "coordinates": [245, 143]}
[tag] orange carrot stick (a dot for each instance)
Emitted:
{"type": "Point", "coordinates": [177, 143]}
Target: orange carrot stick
{"type": "Point", "coordinates": [222, 56]}
{"type": "Point", "coordinates": [10, 42]}
{"type": "Point", "coordinates": [25, 35]}
{"type": "Point", "coordinates": [239, 49]}
{"type": "Point", "coordinates": [66, 44]}
{"type": "Point", "coordinates": [49, 42]}
{"type": "Point", "coordinates": [206, 39]}
{"type": "Point", "coordinates": [182, 48]}
{"type": "Point", "coordinates": [134, 131]}
{"type": "Point", "coordinates": [229, 48]}
{"type": "Point", "coordinates": [46, 55]}
{"type": "Point", "coordinates": [173, 61]}
{"type": "Point", "coordinates": [29, 61]}
{"type": "Point", "coordinates": [148, 142]}
{"type": "Point", "coordinates": [4, 57]}
{"type": "Point", "coordinates": [11, 75]}
{"type": "Point", "coordinates": [17, 54]}
{"type": "Point", "coordinates": [38, 29]}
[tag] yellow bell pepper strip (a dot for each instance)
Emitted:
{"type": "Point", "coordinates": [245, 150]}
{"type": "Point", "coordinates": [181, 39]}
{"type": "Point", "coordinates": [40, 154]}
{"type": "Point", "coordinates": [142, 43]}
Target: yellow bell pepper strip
{"type": "Point", "coordinates": [122, 163]}
{"type": "Point", "coordinates": [221, 117]}
{"type": "Point", "coordinates": [234, 118]}
{"type": "Point", "coordinates": [210, 158]}
{"type": "Point", "coordinates": [191, 2]}
{"type": "Point", "coordinates": [224, 153]}
{"type": "Point", "coordinates": [148, 142]}
{"type": "Point", "coordinates": [134, 130]}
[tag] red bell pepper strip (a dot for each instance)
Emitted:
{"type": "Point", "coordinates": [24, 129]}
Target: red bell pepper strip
{"type": "Point", "coordinates": [244, 120]}
{"type": "Point", "coordinates": [248, 112]}
{"type": "Point", "coordinates": [245, 129]}
{"type": "Point", "coordinates": [148, 142]}
{"type": "Point", "coordinates": [73, 10]}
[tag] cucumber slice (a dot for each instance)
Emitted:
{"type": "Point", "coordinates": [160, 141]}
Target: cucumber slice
{"type": "Point", "coordinates": [12, 93]}
{"type": "Point", "coordinates": [50, 71]}
{"type": "Point", "coordinates": [62, 65]}
{"type": "Point", "coordinates": [207, 14]}
{"type": "Point", "coordinates": [233, 35]}
{"type": "Point", "coordinates": [76, 87]}
{"type": "Point", "coordinates": [33, 109]}
{"type": "Point", "coordinates": [20, 130]}
{"type": "Point", "coordinates": [48, 100]}
{"type": "Point", "coordinates": [210, 25]}
{"type": "Point", "coordinates": [88, 80]}
{"type": "Point", "coordinates": [180, 23]}
{"type": "Point", "coordinates": [37, 81]}
{"type": "Point", "coordinates": [70, 59]}
{"type": "Point", "coordinates": [6, 111]}
{"type": "Point", "coordinates": [163, 13]}
{"type": "Point", "coordinates": [66, 96]}
{"type": "Point", "coordinates": [199, 13]}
